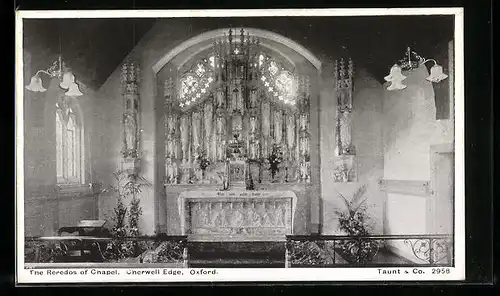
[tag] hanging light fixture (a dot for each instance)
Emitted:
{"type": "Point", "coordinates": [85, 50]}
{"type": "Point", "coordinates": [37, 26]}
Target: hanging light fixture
{"type": "Point", "coordinates": [410, 62]}
{"type": "Point", "coordinates": [56, 70]}
{"type": "Point", "coordinates": [396, 78]}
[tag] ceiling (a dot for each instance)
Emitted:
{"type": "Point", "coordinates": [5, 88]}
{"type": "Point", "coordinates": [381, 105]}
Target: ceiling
{"type": "Point", "coordinates": [95, 47]}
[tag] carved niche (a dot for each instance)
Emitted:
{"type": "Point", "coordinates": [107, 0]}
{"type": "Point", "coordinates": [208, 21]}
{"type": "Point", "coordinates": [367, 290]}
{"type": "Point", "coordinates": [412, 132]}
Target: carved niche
{"type": "Point", "coordinates": [345, 160]}
{"type": "Point", "coordinates": [130, 78]}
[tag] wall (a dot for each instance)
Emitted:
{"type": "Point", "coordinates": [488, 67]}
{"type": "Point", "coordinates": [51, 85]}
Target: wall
{"type": "Point", "coordinates": [367, 139]}
{"type": "Point", "coordinates": [321, 195]}
{"type": "Point", "coordinates": [48, 206]}
{"type": "Point", "coordinates": [411, 130]}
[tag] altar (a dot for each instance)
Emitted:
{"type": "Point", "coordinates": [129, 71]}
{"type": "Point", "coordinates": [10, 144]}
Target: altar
{"type": "Point", "coordinates": [221, 216]}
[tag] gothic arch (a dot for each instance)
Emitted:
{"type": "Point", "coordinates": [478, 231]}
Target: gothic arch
{"type": "Point", "coordinates": [262, 34]}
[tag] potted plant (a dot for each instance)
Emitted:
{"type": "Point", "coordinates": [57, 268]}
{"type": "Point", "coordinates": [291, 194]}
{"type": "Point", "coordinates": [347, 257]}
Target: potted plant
{"type": "Point", "coordinates": [354, 221]}
{"type": "Point", "coordinates": [128, 186]}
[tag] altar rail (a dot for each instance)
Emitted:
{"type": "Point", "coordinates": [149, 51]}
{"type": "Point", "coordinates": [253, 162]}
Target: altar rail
{"type": "Point", "coordinates": [45, 252]}
{"type": "Point", "coordinates": [369, 251]}
{"type": "Point", "coordinates": [300, 251]}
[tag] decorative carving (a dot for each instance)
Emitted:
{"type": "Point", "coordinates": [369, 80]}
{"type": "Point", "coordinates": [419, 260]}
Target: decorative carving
{"type": "Point", "coordinates": [344, 89]}
{"type": "Point", "coordinates": [207, 123]}
{"type": "Point", "coordinates": [196, 132]}
{"type": "Point", "coordinates": [266, 115]}
{"type": "Point", "coordinates": [235, 104]}
{"type": "Point", "coordinates": [184, 127]}
{"type": "Point", "coordinates": [255, 216]}
{"type": "Point", "coordinates": [130, 75]}
{"type": "Point", "coordinates": [345, 132]}
{"type": "Point", "coordinates": [278, 126]}
{"type": "Point", "coordinates": [253, 98]}
{"type": "Point", "coordinates": [290, 134]}
{"type": "Point", "coordinates": [345, 169]}
{"type": "Point", "coordinates": [171, 173]}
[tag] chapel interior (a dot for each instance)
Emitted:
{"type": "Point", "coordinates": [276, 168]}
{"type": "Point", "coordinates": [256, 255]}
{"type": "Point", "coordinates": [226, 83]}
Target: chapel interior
{"type": "Point", "coordinates": [244, 129]}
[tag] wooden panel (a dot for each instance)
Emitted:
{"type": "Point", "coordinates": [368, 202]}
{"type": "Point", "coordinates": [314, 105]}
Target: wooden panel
{"type": "Point", "coordinates": [408, 187]}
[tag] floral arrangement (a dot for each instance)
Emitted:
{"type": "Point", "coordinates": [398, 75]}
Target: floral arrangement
{"type": "Point", "coordinates": [274, 159]}
{"type": "Point", "coordinates": [129, 153]}
{"type": "Point", "coordinates": [355, 222]}
{"type": "Point", "coordinates": [203, 161]}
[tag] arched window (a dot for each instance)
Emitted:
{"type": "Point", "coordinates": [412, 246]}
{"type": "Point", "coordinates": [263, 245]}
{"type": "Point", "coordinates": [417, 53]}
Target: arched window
{"type": "Point", "coordinates": [69, 141]}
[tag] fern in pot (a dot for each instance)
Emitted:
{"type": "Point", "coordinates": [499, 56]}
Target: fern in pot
{"type": "Point", "coordinates": [355, 222]}
{"type": "Point", "coordinates": [128, 187]}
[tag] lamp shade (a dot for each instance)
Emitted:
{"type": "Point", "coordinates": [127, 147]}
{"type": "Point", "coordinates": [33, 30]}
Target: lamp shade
{"type": "Point", "coordinates": [436, 74]}
{"type": "Point", "coordinates": [36, 84]}
{"type": "Point", "coordinates": [396, 85]}
{"type": "Point", "coordinates": [73, 90]}
{"type": "Point", "coordinates": [67, 80]}
{"type": "Point", "coordinates": [395, 74]}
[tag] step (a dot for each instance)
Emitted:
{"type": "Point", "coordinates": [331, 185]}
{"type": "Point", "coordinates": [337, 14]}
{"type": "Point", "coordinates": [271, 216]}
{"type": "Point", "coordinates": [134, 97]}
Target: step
{"type": "Point", "coordinates": [237, 263]}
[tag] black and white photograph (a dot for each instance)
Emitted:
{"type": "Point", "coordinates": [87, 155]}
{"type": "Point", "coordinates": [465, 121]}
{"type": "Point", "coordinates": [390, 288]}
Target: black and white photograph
{"type": "Point", "coordinates": [240, 145]}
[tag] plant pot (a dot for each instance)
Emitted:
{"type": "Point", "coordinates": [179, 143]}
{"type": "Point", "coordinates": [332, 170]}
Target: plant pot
{"type": "Point", "coordinates": [358, 251]}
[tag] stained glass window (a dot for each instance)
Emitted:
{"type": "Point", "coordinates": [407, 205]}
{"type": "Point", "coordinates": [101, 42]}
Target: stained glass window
{"type": "Point", "coordinates": [68, 146]}
{"type": "Point", "coordinates": [277, 81]}
{"type": "Point", "coordinates": [196, 82]}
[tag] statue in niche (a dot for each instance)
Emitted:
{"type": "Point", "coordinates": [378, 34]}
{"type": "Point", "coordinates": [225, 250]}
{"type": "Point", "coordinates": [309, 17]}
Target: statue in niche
{"type": "Point", "coordinates": [130, 131]}
{"type": "Point", "coordinates": [253, 98]}
{"type": "Point", "coordinates": [185, 178]}
{"type": "Point", "coordinates": [345, 101]}
{"type": "Point", "coordinates": [266, 112]}
{"type": "Point", "coordinates": [220, 98]}
{"type": "Point", "coordinates": [168, 171]}
{"type": "Point", "coordinates": [204, 220]}
{"type": "Point", "coordinates": [184, 127]}
{"type": "Point", "coordinates": [216, 216]}
{"type": "Point", "coordinates": [290, 131]}
{"type": "Point", "coordinates": [254, 150]}
{"type": "Point", "coordinates": [174, 173]}
{"type": "Point", "coordinates": [176, 148]}
{"type": "Point", "coordinates": [220, 148]}
{"type": "Point", "coordinates": [278, 215]}
{"type": "Point", "coordinates": [252, 218]}
{"type": "Point", "coordinates": [170, 148]}
{"type": "Point", "coordinates": [253, 125]}
{"type": "Point", "coordinates": [237, 218]}
{"type": "Point", "coordinates": [207, 116]}
{"type": "Point", "coordinates": [221, 125]}
{"type": "Point", "coordinates": [240, 101]}
{"type": "Point", "coordinates": [345, 131]}
{"type": "Point", "coordinates": [196, 122]}
{"type": "Point", "coordinates": [278, 126]}
{"type": "Point", "coordinates": [234, 99]}
{"type": "Point", "coordinates": [304, 146]}
{"type": "Point", "coordinates": [266, 217]}
{"type": "Point", "coordinates": [237, 126]}
{"type": "Point", "coordinates": [171, 123]}
{"type": "Point", "coordinates": [303, 122]}
{"type": "Point", "coordinates": [303, 171]}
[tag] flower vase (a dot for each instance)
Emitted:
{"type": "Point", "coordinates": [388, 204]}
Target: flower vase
{"type": "Point", "coordinates": [273, 175]}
